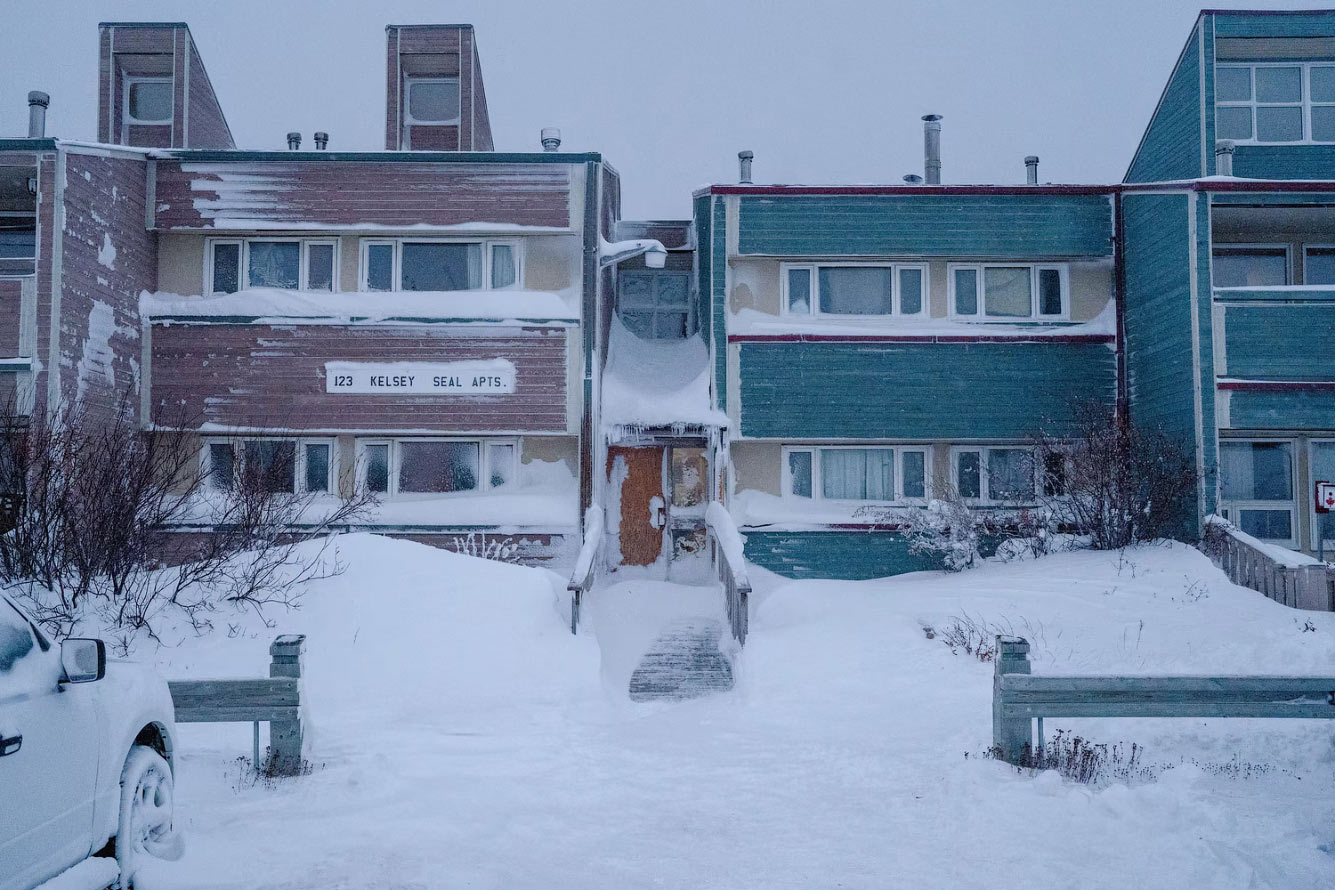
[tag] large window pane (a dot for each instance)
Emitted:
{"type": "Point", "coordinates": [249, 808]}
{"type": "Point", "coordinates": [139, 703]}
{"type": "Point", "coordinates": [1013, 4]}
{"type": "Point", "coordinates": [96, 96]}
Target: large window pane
{"type": "Point", "coordinates": [1250, 267]}
{"type": "Point", "coordinates": [320, 267]}
{"type": "Point", "coordinates": [1010, 474]}
{"type": "Point", "coordinates": [910, 291]}
{"type": "Point", "coordinates": [1049, 292]}
{"type": "Point", "coordinates": [377, 468]}
{"type": "Point", "coordinates": [969, 474]}
{"type": "Point", "coordinates": [226, 268]}
{"type": "Point", "coordinates": [275, 264]}
{"type": "Point", "coordinates": [1279, 84]}
{"type": "Point", "coordinates": [150, 101]}
{"type": "Point", "coordinates": [222, 466]}
{"type": "Point", "coordinates": [380, 267]}
{"type": "Point", "coordinates": [799, 291]}
{"type": "Point", "coordinates": [799, 473]}
{"type": "Point", "coordinates": [1321, 78]}
{"type": "Point", "coordinates": [1006, 291]}
{"type": "Point", "coordinates": [317, 467]}
{"type": "Point", "coordinates": [1270, 525]}
{"type": "Point", "coordinates": [271, 464]}
{"type": "Point", "coordinates": [858, 473]}
{"type": "Point", "coordinates": [502, 265]}
{"type": "Point", "coordinates": [1279, 124]}
{"type": "Point", "coordinates": [1233, 85]}
{"type": "Point", "coordinates": [1256, 471]}
{"type": "Point", "coordinates": [442, 266]}
{"type": "Point", "coordinates": [856, 291]}
{"type": "Point", "coordinates": [915, 474]}
{"type": "Point", "coordinates": [1320, 266]}
{"type": "Point", "coordinates": [438, 466]}
{"type": "Point", "coordinates": [966, 291]}
{"type": "Point", "coordinates": [1234, 123]}
{"type": "Point", "coordinates": [433, 101]}
{"type": "Point", "coordinates": [500, 463]}
{"type": "Point", "coordinates": [1323, 123]}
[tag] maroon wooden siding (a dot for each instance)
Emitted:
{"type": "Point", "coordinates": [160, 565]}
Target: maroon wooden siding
{"type": "Point", "coordinates": [46, 211]}
{"type": "Point", "coordinates": [104, 204]}
{"type": "Point", "coordinates": [274, 376]}
{"type": "Point", "coordinates": [11, 316]}
{"type": "Point", "coordinates": [482, 140]}
{"type": "Point", "coordinates": [394, 193]}
{"type": "Point", "coordinates": [206, 125]}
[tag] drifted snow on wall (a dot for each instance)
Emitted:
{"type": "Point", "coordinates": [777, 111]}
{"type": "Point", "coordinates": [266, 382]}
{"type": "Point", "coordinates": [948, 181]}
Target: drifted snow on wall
{"type": "Point", "coordinates": [96, 365]}
{"type": "Point", "coordinates": [615, 479]}
{"type": "Point", "coordinates": [106, 254]}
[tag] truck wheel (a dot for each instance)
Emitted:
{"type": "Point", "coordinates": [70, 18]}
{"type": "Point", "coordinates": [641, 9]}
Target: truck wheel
{"type": "Point", "coordinates": [145, 826]}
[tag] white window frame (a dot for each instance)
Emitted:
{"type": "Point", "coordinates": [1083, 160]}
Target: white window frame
{"type": "Point", "coordinates": [1230, 509]}
{"type": "Point", "coordinates": [1306, 104]}
{"type": "Point", "coordinates": [893, 265]}
{"type": "Point", "coordinates": [298, 470]}
{"type": "Point", "coordinates": [1318, 519]}
{"type": "Point", "coordinates": [1248, 245]}
{"type": "Point", "coordinates": [127, 120]}
{"type": "Point", "coordinates": [243, 257]}
{"type": "Point", "coordinates": [410, 121]}
{"type": "Point", "coordinates": [484, 464]}
{"type": "Point", "coordinates": [817, 489]}
{"type": "Point", "coordinates": [516, 246]}
{"type": "Point", "coordinates": [1063, 271]}
{"type": "Point", "coordinates": [984, 480]}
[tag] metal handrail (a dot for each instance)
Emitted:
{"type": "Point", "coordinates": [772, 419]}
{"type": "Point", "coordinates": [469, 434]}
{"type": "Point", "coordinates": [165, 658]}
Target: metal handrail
{"type": "Point", "coordinates": [586, 564]}
{"type": "Point", "coordinates": [725, 539]}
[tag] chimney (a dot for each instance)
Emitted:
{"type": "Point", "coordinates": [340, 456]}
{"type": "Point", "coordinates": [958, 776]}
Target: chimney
{"type": "Point", "coordinates": [551, 138]}
{"type": "Point", "coordinates": [321, 140]}
{"type": "Point", "coordinates": [931, 147]}
{"type": "Point", "coordinates": [912, 179]}
{"type": "Point", "coordinates": [744, 159]}
{"type": "Point", "coordinates": [37, 103]}
{"type": "Point", "coordinates": [1223, 157]}
{"type": "Point", "coordinates": [1031, 170]}
{"type": "Point", "coordinates": [293, 141]}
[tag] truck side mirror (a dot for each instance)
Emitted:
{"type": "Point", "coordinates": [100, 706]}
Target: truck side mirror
{"type": "Point", "coordinates": [83, 661]}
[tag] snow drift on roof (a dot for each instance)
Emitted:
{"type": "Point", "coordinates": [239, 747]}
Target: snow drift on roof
{"type": "Point", "coordinates": [656, 382]}
{"type": "Point", "coordinates": [261, 302]}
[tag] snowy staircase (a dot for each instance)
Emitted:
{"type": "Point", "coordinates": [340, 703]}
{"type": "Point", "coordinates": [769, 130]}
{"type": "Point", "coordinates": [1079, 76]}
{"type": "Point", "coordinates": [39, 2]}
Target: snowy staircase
{"type": "Point", "coordinates": [685, 662]}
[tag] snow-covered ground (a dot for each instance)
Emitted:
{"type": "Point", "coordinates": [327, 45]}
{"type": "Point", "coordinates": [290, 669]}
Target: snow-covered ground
{"type": "Point", "coordinates": [461, 737]}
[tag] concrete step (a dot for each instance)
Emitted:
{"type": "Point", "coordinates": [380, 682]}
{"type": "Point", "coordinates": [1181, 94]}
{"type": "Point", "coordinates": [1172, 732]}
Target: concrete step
{"type": "Point", "coordinates": [683, 662]}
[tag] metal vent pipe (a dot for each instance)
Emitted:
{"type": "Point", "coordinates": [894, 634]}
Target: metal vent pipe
{"type": "Point", "coordinates": [550, 138]}
{"type": "Point", "coordinates": [1223, 157]}
{"type": "Point", "coordinates": [931, 148]}
{"type": "Point", "coordinates": [37, 104]}
{"type": "Point", "coordinates": [744, 159]}
{"type": "Point", "coordinates": [293, 141]}
{"type": "Point", "coordinates": [1031, 169]}
{"type": "Point", "coordinates": [321, 140]}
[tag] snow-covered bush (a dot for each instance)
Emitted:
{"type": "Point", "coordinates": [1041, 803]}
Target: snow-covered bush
{"type": "Point", "coordinates": [948, 530]}
{"type": "Point", "coordinates": [95, 534]}
{"type": "Point", "coordinates": [1115, 481]}
{"type": "Point", "coordinates": [503, 550]}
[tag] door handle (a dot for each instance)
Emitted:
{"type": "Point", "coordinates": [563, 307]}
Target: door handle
{"type": "Point", "coordinates": [10, 745]}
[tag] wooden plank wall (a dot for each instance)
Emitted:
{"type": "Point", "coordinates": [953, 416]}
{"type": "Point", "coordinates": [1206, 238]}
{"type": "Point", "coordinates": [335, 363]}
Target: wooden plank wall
{"type": "Point", "coordinates": [273, 376]}
{"type": "Point", "coordinates": [1171, 146]}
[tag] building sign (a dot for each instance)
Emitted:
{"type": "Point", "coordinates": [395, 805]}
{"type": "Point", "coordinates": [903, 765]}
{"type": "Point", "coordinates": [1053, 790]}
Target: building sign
{"type": "Point", "coordinates": [481, 378]}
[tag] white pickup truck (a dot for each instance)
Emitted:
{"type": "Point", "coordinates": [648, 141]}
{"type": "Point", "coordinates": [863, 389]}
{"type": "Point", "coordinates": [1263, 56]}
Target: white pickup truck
{"type": "Point", "coordinates": [85, 757]}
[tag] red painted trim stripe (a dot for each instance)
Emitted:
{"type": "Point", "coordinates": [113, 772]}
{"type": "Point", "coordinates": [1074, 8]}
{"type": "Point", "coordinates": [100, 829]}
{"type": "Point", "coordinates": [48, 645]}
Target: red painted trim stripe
{"type": "Point", "coordinates": [1277, 385]}
{"type": "Point", "coordinates": [896, 338]}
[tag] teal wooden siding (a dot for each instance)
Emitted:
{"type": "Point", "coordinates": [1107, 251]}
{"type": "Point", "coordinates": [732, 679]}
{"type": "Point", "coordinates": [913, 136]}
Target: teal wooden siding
{"type": "Point", "coordinates": [1296, 410]}
{"type": "Point", "coordinates": [1284, 161]}
{"type": "Point", "coordinates": [918, 390]}
{"type": "Point", "coordinates": [703, 290]}
{"type": "Point", "coordinates": [1206, 379]}
{"type": "Point", "coordinates": [1002, 226]}
{"type": "Point", "coordinates": [719, 289]}
{"type": "Point", "coordinates": [1158, 318]}
{"type": "Point", "coordinates": [850, 555]}
{"type": "Point", "coordinates": [1302, 24]}
{"type": "Point", "coordinates": [1171, 146]}
{"type": "Point", "coordinates": [1279, 342]}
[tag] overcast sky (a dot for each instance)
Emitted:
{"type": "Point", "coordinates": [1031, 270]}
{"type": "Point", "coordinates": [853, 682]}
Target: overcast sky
{"type": "Point", "coordinates": [824, 91]}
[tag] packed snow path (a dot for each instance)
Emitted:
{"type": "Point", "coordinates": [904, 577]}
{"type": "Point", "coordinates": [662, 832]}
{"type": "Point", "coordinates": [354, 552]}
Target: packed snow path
{"type": "Point", "coordinates": [460, 737]}
{"type": "Point", "coordinates": [683, 663]}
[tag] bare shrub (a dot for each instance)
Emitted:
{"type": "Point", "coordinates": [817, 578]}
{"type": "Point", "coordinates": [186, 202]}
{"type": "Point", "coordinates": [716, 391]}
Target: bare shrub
{"type": "Point", "coordinates": [977, 637]}
{"type": "Point", "coordinates": [1115, 481]}
{"type": "Point", "coordinates": [504, 550]}
{"type": "Point", "coordinates": [1088, 763]}
{"type": "Point", "coordinates": [99, 504]}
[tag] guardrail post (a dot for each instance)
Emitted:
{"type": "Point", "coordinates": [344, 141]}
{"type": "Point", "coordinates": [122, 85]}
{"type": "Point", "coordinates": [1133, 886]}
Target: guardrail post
{"type": "Point", "coordinates": [286, 739]}
{"type": "Point", "coordinates": [1011, 736]}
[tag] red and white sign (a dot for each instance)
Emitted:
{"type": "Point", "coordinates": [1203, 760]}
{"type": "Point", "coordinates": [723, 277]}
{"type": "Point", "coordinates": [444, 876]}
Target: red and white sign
{"type": "Point", "coordinates": [1325, 497]}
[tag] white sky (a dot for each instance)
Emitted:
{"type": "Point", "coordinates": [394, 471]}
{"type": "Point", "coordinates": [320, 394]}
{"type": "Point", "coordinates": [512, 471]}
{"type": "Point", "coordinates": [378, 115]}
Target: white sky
{"type": "Point", "coordinates": [829, 91]}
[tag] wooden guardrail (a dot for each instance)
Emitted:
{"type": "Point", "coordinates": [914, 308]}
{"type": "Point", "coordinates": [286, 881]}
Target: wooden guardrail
{"type": "Point", "coordinates": [730, 561]}
{"type": "Point", "coordinates": [1296, 580]}
{"type": "Point", "coordinates": [586, 564]}
{"type": "Point", "coordinates": [275, 700]}
{"type": "Point", "coordinates": [1019, 698]}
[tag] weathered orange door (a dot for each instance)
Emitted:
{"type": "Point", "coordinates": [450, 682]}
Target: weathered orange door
{"type": "Point", "coordinates": [638, 472]}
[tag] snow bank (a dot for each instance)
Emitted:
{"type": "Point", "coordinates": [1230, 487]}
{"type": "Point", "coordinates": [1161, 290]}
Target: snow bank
{"type": "Point", "coordinates": [265, 303]}
{"type": "Point", "coordinates": [656, 382]}
{"type": "Point", "coordinates": [1279, 553]}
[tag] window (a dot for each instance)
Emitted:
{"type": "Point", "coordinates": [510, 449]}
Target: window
{"type": "Point", "coordinates": [1281, 102]}
{"type": "Point", "coordinates": [288, 263]}
{"type": "Point", "coordinates": [1323, 470]}
{"type": "Point", "coordinates": [997, 292]}
{"type": "Point", "coordinates": [1250, 265]}
{"type": "Point", "coordinates": [406, 467]}
{"type": "Point", "coordinates": [655, 305]}
{"type": "Point", "coordinates": [1001, 475]}
{"type": "Point", "coordinates": [278, 466]}
{"type": "Point", "coordinates": [1319, 264]}
{"type": "Point", "coordinates": [892, 289]}
{"type": "Point", "coordinates": [1256, 484]}
{"type": "Point", "coordinates": [18, 244]}
{"type": "Point", "coordinates": [432, 101]}
{"type": "Point", "coordinates": [148, 101]}
{"type": "Point", "coordinates": [420, 265]}
{"type": "Point", "coordinates": [847, 473]}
